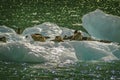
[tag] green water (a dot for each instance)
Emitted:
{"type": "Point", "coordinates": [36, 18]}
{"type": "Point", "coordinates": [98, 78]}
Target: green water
{"type": "Point", "coordinates": [65, 13]}
{"type": "Point", "coordinates": [78, 71]}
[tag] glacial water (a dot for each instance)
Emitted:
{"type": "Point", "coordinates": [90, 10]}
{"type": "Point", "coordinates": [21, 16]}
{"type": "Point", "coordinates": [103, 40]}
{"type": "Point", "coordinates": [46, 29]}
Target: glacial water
{"type": "Point", "coordinates": [78, 71]}
{"type": "Point", "coordinates": [48, 65]}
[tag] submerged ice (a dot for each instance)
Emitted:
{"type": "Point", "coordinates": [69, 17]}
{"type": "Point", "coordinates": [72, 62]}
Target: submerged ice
{"type": "Point", "coordinates": [102, 26]}
{"type": "Point", "coordinates": [24, 49]}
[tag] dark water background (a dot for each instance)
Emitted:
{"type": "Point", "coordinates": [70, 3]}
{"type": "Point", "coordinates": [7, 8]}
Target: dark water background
{"type": "Point", "coordinates": [65, 13]}
{"type": "Point", "coordinates": [78, 71]}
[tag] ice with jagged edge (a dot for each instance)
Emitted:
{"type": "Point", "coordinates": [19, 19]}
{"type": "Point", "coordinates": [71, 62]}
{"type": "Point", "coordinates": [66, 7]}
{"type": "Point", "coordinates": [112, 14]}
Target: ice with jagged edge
{"type": "Point", "coordinates": [21, 49]}
{"type": "Point", "coordinates": [102, 26]}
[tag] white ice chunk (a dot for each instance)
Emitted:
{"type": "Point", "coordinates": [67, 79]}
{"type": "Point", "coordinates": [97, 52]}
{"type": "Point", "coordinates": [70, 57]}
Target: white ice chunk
{"type": "Point", "coordinates": [10, 34]}
{"type": "Point", "coordinates": [52, 52]}
{"type": "Point", "coordinates": [93, 50]}
{"type": "Point", "coordinates": [46, 29]}
{"type": "Point", "coordinates": [37, 52]}
{"type": "Point", "coordinates": [4, 29]}
{"type": "Point", "coordinates": [102, 26]}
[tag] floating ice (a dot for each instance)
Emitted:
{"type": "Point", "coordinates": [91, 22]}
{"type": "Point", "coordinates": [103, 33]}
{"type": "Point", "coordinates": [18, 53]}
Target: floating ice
{"type": "Point", "coordinates": [4, 29]}
{"type": "Point", "coordinates": [10, 34]}
{"type": "Point", "coordinates": [46, 29]}
{"type": "Point", "coordinates": [64, 52]}
{"type": "Point", "coordinates": [93, 50]}
{"type": "Point", "coordinates": [37, 52]}
{"type": "Point", "coordinates": [18, 52]}
{"type": "Point", "coordinates": [102, 26]}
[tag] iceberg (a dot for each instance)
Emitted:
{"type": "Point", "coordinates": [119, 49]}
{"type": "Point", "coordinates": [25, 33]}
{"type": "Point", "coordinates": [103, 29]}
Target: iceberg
{"type": "Point", "coordinates": [10, 34]}
{"type": "Point", "coordinates": [21, 49]}
{"type": "Point", "coordinates": [95, 51]}
{"type": "Point", "coordinates": [46, 29]}
{"type": "Point", "coordinates": [37, 52]}
{"type": "Point", "coordinates": [102, 26]}
{"type": "Point", "coordinates": [4, 29]}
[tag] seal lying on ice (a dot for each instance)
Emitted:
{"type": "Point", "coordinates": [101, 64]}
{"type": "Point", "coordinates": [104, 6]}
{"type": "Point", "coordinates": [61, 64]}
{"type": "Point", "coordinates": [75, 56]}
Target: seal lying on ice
{"type": "Point", "coordinates": [38, 37]}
